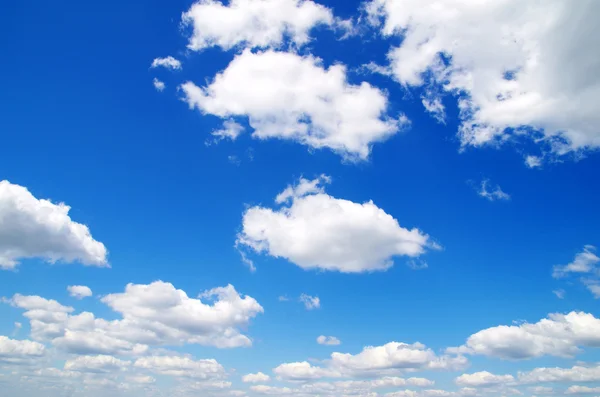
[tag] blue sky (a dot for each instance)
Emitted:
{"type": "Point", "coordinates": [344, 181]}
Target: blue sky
{"type": "Point", "coordinates": [497, 202]}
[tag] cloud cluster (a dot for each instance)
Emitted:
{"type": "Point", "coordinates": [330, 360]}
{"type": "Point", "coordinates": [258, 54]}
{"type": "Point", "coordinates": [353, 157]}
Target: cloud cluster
{"type": "Point", "coordinates": [525, 70]}
{"type": "Point", "coordinates": [317, 231]}
{"type": "Point", "coordinates": [156, 314]}
{"type": "Point", "coordinates": [38, 228]}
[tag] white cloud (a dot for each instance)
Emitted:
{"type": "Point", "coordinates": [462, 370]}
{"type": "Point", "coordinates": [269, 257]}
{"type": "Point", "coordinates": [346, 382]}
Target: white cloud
{"type": "Point", "coordinates": [483, 379]}
{"type": "Point", "coordinates": [584, 262]}
{"type": "Point", "coordinates": [558, 335]}
{"type": "Point", "coordinates": [374, 361]}
{"type": "Point", "coordinates": [253, 23]}
{"type": "Point", "coordinates": [96, 364]}
{"type": "Point", "coordinates": [167, 62]}
{"type": "Point", "coordinates": [533, 161]}
{"type": "Point", "coordinates": [317, 231]}
{"type": "Point", "coordinates": [491, 194]}
{"type": "Point", "coordinates": [256, 378]}
{"type": "Point", "coordinates": [182, 367]}
{"type": "Point", "coordinates": [518, 68]}
{"type": "Point", "coordinates": [271, 390]}
{"type": "Point", "coordinates": [230, 130]}
{"type": "Point", "coordinates": [159, 85]}
{"type": "Point", "coordinates": [328, 340]}
{"type": "Point", "coordinates": [560, 293]}
{"type": "Point", "coordinates": [310, 302]}
{"type": "Point", "coordinates": [541, 390]}
{"type": "Point", "coordinates": [293, 97]}
{"type": "Point", "coordinates": [34, 228]}
{"type": "Point", "coordinates": [562, 375]}
{"type": "Point", "coordinates": [79, 291]}
{"type": "Point", "coordinates": [582, 390]}
{"type": "Point", "coordinates": [594, 287]}
{"type": "Point", "coordinates": [19, 351]}
{"type": "Point", "coordinates": [156, 314]}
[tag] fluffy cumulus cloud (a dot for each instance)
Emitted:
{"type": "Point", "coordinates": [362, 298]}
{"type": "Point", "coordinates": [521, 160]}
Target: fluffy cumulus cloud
{"type": "Point", "coordinates": [253, 23]}
{"type": "Point", "coordinates": [374, 361]}
{"type": "Point", "coordinates": [37, 228]}
{"type": "Point", "coordinates": [293, 97]}
{"type": "Point", "coordinates": [156, 314]}
{"type": "Point", "coordinates": [167, 62]}
{"type": "Point", "coordinates": [328, 340]}
{"type": "Point", "coordinates": [317, 231]}
{"type": "Point", "coordinates": [527, 69]}
{"type": "Point", "coordinates": [482, 379]}
{"type": "Point", "coordinates": [256, 378]}
{"type": "Point", "coordinates": [19, 351]}
{"type": "Point", "coordinates": [79, 291]}
{"type": "Point", "coordinates": [559, 335]}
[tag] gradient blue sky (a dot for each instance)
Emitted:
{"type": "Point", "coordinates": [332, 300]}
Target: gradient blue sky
{"type": "Point", "coordinates": [82, 123]}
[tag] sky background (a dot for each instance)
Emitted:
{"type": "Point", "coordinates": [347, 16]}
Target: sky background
{"type": "Point", "coordinates": [82, 123]}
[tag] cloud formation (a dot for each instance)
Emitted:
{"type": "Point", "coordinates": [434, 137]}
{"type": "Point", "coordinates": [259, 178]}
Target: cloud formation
{"type": "Point", "coordinates": [293, 97]}
{"type": "Point", "coordinates": [38, 228]}
{"type": "Point", "coordinates": [317, 231]}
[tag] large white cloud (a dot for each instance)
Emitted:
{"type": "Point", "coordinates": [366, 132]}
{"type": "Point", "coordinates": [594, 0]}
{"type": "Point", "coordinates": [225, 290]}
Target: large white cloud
{"type": "Point", "coordinates": [519, 67]}
{"type": "Point", "coordinates": [373, 361]}
{"type": "Point", "coordinates": [559, 335]}
{"type": "Point", "coordinates": [317, 231]}
{"type": "Point", "coordinates": [254, 23]}
{"type": "Point", "coordinates": [156, 314]}
{"type": "Point", "coordinates": [293, 97]}
{"type": "Point", "coordinates": [38, 228]}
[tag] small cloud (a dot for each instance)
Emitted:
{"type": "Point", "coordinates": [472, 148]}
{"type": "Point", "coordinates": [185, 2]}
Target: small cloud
{"type": "Point", "coordinates": [159, 85]}
{"type": "Point", "coordinates": [283, 298]}
{"type": "Point", "coordinates": [168, 62]}
{"type": "Point", "coordinates": [230, 130]}
{"type": "Point", "coordinates": [533, 161]}
{"type": "Point", "coordinates": [18, 327]}
{"type": "Point", "coordinates": [79, 291]}
{"type": "Point", "coordinates": [491, 193]}
{"type": "Point", "coordinates": [235, 160]}
{"type": "Point", "coordinates": [560, 293]}
{"type": "Point", "coordinates": [417, 264]}
{"type": "Point", "coordinates": [328, 340]}
{"type": "Point", "coordinates": [310, 302]}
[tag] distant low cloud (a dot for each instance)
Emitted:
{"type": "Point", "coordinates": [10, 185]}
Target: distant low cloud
{"type": "Point", "coordinates": [310, 302]}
